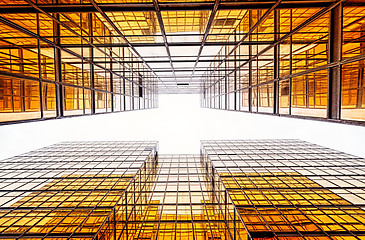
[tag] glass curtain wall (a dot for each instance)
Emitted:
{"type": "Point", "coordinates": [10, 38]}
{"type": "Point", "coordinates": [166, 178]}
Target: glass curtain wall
{"type": "Point", "coordinates": [288, 189]}
{"type": "Point", "coordinates": [60, 64]}
{"type": "Point", "coordinates": [303, 62]}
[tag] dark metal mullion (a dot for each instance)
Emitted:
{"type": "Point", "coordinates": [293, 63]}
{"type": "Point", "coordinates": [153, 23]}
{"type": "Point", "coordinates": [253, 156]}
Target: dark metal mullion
{"type": "Point", "coordinates": [177, 202]}
{"type": "Point", "coordinates": [235, 75]}
{"type": "Point", "coordinates": [276, 59]}
{"type": "Point", "coordinates": [158, 35]}
{"type": "Point", "coordinates": [290, 62]}
{"type": "Point", "coordinates": [334, 55]}
{"type": "Point", "coordinates": [111, 85]}
{"type": "Point", "coordinates": [205, 205]}
{"type": "Point", "coordinates": [124, 97]}
{"type": "Point", "coordinates": [226, 76]}
{"type": "Point", "coordinates": [162, 205]}
{"type": "Point", "coordinates": [167, 61]}
{"type": "Point", "coordinates": [159, 44]}
{"type": "Point", "coordinates": [191, 208]}
{"type": "Point", "coordinates": [249, 66]}
{"type": "Point", "coordinates": [58, 69]}
{"type": "Point", "coordinates": [92, 69]}
{"type": "Point", "coordinates": [39, 69]}
{"type": "Point", "coordinates": [83, 75]}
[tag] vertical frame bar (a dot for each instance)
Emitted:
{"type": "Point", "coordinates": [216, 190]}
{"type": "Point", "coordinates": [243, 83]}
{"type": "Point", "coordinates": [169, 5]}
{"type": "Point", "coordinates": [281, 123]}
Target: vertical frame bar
{"type": "Point", "coordinates": [334, 56]}
{"type": "Point", "coordinates": [39, 68]}
{"type": "Point", "coordinates": [58, 68]}
{"type": "Point", "coordinates": [276, 61]}
{"type": "Point", "coordinates": [92, 69]}
{"type": "Point", "coordinates": [250, 66]}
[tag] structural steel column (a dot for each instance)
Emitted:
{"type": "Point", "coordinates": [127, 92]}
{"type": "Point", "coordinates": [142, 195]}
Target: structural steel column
{"type": "Point", "coordinates": [92, 69]}
{"type": "Point", "coordinates": [124, 98]}
{"type": "Point", "coordinates": [111, 81]}
{"type": "Point", "coordinates": [39, 69]}
{"type": "Point", "coordinates": [334, 56]}
{"type": "Point", "coordinates": [235, 74]}
{"type": "Point", "coordinates": [250, 66]}
{"type": "Point", "coordinates": [58, 68]}
{"type": "Point", "coordinates": [276, 61]}
{"type": "Point", "coordinates": [226, 97]}
{"type": "Point", "coordinates": [359, 92]}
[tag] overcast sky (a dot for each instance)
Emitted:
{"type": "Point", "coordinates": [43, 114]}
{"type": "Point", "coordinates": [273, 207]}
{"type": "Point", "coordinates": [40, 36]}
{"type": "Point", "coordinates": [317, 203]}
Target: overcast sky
{"type": "Point", "coordinates": [179, 124]}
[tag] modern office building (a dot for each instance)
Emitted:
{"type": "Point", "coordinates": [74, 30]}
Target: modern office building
{"type": "Point", "coordinates": [292, 58]}
{"type": "Point", "coordinates": [287, 189]}
{"type": "Point", "coordinates": [283, 57]}
{"type": "Point", "coordinates": [239, 189]}
{"type": "Point", "coordinates": [76, 190]}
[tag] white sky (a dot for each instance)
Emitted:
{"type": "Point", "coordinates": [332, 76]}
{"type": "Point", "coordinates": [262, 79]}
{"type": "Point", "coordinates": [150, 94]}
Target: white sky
{"type": "Point", "coordinates": [179, 124]}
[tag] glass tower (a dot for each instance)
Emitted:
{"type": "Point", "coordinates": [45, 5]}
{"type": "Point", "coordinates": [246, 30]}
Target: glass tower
{"type": "Point", "coordinates": [238, 189]}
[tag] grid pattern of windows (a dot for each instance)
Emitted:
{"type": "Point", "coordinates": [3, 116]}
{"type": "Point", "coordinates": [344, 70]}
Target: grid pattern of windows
{"type": "Point", "coordinates": [306, 62]}
{"type": "Point", "coordinates": [181, 204]}
{"type": "Point", "coordinates": [54, 65]}
{"type": "Point", "coordinates": [290, 189]}
{"type": "Point", "coordinates": [78, 190]}
{"type": "Point", "coordinates": [239, 189]}
{"type": "Point", "coordinates": [292, 58]}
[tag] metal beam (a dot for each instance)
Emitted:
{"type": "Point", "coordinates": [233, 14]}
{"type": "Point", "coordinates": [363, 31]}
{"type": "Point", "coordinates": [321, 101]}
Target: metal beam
{"type": "Point", "coordinates": [174, 44]}
{"type": "Point", "coordinates": [168, 6]}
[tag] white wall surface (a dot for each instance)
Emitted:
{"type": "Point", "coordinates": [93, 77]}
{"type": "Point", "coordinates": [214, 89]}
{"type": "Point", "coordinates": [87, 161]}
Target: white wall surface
{"type": "Point", "coordinates": [179, 124]}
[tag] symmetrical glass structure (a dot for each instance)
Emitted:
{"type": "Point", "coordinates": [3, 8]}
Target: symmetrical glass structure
{"type": "Point", "coordinates": [283, 57]}
{"type": "Point", "coordinates": [239, 189]}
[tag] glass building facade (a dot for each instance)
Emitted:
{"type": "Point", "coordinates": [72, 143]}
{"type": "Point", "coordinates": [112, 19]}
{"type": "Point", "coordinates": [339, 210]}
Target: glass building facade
{"type": "Point", "coordinates": [76, 190]}
{"type": "Point", "coordinates": [238, 189]}
{"type": "Point", "coordinates": [284, 57]}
